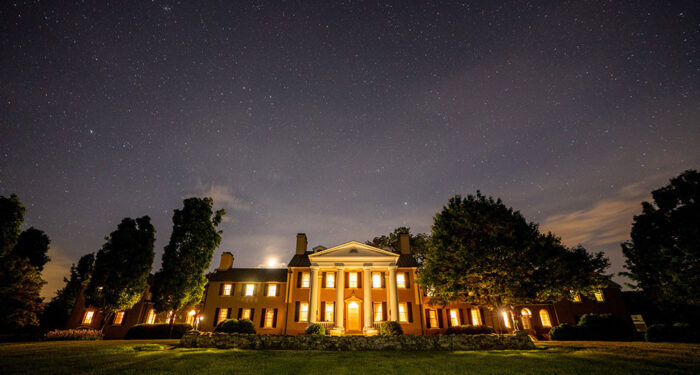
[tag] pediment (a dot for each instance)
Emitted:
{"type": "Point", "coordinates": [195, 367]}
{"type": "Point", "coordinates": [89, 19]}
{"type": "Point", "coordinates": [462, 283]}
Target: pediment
{"type": "Point", "coordinates": [353, 249]}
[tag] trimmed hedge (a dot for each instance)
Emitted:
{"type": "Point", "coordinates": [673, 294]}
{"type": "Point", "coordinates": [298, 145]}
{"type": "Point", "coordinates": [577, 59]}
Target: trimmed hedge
{"type": "Point", "coordinates": [315, 329]}
{"type": "Point", "coordinates": [678, 332]}
{"type": "Point", "coordinates": [390, 328]}
{"type": "Point", "coordinates": [73, 334]}
{"type": "Point", "coordinates": [604, 327]}
{"type": "Point", "coordinates": [156, 331]}
{"type": "Point", "coordinates": [469, 330]}
{"type": "Point", "coordinates": [235, 326]}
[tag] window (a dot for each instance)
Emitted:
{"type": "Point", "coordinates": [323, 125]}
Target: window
{"type": "Point", "coordinates": [429, 292]}
{"type": "Point", "coordinates": [227, 289]}
{"type": "Point", "coordinates": [401, 280]}
{"type": "Point", "coordinates": [352, 279]}
{"type": "Point", "coordinates": [454, 318]}
{"type": "Point", "coordinates": [475, 317]}
{"type": "Point", "coordinates": [328, 314]}
{"type": "Point", "coordinates": [151, 318]}
{"type": "Point", "coordinates": [330, 280]}
{"type": "Point", "coordinates": [432, 318]}
{"type": "Point", "coordinates": [304, 312]}
{"type": "Point", "coordinates": [249, 289]}
{"type": "Point", "coordinates": [525, 318]}
{"type": "Point", "coordinates": [223, 315]}
{"type": "Point", "coordinates": [272, 290]}
{"type": "Point", "coordinates": [575, 296]}
{"type": "Point", "coordinates": [403, 315]}
{"type": "Point", "coordinates": [376, 280]}
{"type": "Point", "coordinates": [87, 319]}
{"type": "Point", "coordinates": [599, 296]}
{"type": "Point", "coordinates": [378, 313]}
{"type": "Point", "coordinates": [544, 317]}
{"type": "Point", "coordinates": [506, 321]}
{"type": "Point", "coordinates": [118, 318]}
{"type": "Point", "coordinates": [245, 314]}
{"type": "Point", "coordinates": [190, 317]}
{"type": "Point", "coordinates": [305, 280]}
{"type": "Point", "coordinates": [269, 316]}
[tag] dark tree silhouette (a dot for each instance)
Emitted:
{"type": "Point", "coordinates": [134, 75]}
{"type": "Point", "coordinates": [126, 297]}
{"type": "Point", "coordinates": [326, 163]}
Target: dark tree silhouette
{"type": "Point", "coordinates": [33, 244]}
{"type": "Point", "coordinates": [58, 310]}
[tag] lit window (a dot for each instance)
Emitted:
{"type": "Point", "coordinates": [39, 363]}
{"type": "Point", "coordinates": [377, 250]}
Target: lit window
{"type": "Point", "coordinates": [400, 280]}
{"type": "Point", "coordinates": [223, 315]}
{"type": "Point", "coordinates": [454, 318]}
{"type": "Point", "coordinates": [526, 315]}
{"type": "Point", "coordinates": [403, 317]}
{"type": "Point", "coordinates": [245, 314]}
{"type": "Point", "coordinates": [599, 296]}
{"type": "Point", "coordinates": [506, 321]}
{"type": "Point", "coordinates": [352, 280]}
{"type": "Point", "coordinates": [544, 317]}
{"type": "Point", "coordinates": [151, 318]}
{"type": "Point", "coordinates": [376, 280]}
{"type": "Point", "coordinates": [190, 317]}
{"type": "Point", "coordinates": [87, 319]}
{"type": "Point", "coordinates": [330, 280]}
{"type": "Point", "coordinates": [475, 317]}
{"type": "Point", "coordinates": [329, 312]}
{"type": "Point", "coordinates": [249, 289]}
{"type": "Point", "coordinates": [378, 313]}
{"type": "Point", "coordinates": [429, 292]}
{"type": "Point", "coordinates": [227, 289]}
{"type": "Point", "coordinates": [272, 290]}
{"type": "Point", "coordinates": [432, 318]}
{"type": "Point", "coordinates": [269, 316]}
{"type": "Point", "coordinates": [304, 312]}
{"type": "Point", "coordinates": [118, 318]}
{"type": "Point", "coordinates": [305, 280]}
{"type": "Point", "coordinates": [575, 296]}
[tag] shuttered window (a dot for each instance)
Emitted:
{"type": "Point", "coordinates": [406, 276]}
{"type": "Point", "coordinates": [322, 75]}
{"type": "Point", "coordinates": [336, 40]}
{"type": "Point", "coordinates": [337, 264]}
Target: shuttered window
{"type": "Point", "coordinates": [432, 319]}
{"type": "Point", "coordinates": [304, 312]}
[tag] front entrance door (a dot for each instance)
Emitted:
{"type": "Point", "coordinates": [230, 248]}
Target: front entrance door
{"type": "Point", "coordinates": [353, 316]}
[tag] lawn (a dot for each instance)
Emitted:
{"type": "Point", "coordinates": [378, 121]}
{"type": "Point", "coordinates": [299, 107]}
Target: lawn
{"type": "Point", "coordinates": [161, 357]}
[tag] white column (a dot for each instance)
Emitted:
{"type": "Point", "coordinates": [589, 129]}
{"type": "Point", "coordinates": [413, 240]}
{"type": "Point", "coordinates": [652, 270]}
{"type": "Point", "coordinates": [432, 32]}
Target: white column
{"type": "Point", "coordinates": [368, 297]}
{"type": "Point", "coordinates": [393, 298]}
{"type": "Point", "coordinates": [340, 299]}
{"type": "Point", "coordinates": [313, 303]}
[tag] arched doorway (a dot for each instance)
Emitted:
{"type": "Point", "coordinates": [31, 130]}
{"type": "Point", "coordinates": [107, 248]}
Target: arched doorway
{"type": "Point", "coordinates": [353, 323]}
{"type": "Point", "coordinates": [526, 317]}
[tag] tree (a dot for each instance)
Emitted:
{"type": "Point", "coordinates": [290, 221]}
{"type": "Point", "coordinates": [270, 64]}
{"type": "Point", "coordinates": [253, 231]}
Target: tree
{"type": "Point", "coordinates": [122, 267]}
{"type": "Point", "coordinates": [11, 218]}
{"type": "Point", "coordinates": [483, 252]}
{"type": "Point", "coordinates": [391, 242]}
{"type": "Point", "coordinates": [33, 244]}
{"type": "Point", "coordinates": [180, 282]}
{"type": "Point", "coordinates": [58, 310]}
{"type": "Point", "coordinates": [663, 256]}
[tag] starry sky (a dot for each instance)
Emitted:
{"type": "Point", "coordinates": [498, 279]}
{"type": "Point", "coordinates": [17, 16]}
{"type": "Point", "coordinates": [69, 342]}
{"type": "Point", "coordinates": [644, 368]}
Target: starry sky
{"type": "Point", "coordinates": [342, 120]}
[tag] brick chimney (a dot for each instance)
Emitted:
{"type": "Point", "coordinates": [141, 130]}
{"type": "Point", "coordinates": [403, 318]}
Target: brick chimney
{"type": "Point", "coordinates": [301, 243]}
{"type": "Point", "coordinates": [404, 244]}
{"type": "Point", "coordinates": [226, 261]}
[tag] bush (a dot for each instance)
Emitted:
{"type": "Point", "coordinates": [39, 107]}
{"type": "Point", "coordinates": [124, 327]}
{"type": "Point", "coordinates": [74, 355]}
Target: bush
{"type": "Point", "coordinates": [316, 330]}
{"type": "Point", "coordinates": [605, 327]}
{"type": "Point", "coordinates": [563, 332]}
{"type": "Point", "coordinates": [656, 333]}
{"type": "Point", "coordinates": [235, 326]}
{"type": "Point", "coordinates": [678, 332]}
{"type": "Point", "coordinates": [73, 334]}
{"type": "Point", "coordinates": [156, 331]}
{"type": "Point", "coordinates": [469, 330]}
{"type": "Point", "coordinates": [390, 328]}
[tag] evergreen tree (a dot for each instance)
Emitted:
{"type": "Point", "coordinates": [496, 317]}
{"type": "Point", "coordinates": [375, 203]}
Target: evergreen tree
{"type": "Point", "coordinates": [391, 242]}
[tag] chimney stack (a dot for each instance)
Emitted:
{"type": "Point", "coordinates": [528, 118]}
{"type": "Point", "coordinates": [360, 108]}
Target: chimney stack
{"type": "Point", "coordinates": [226, 261]}
{"type": "Point", "coordinates": [404, 244]}
{"type": "Point", "coordinates": [301, 243]}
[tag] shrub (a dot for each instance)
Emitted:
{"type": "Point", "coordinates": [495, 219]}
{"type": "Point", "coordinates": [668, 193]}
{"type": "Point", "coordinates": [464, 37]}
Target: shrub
{"type": "Point", "coordinates": [316, 330]}
{"type": "Point", "coordinates": [246, 326]}
{"type": "Point", "coordinates": [678, 332]}
{"type": "Point", "coordinates": [390, 328]}
{"type": "Point", "coordinates": [605, 327]}
{"type": "Point", "coordinates": [469, 330]}
{"type": "Point", "coordinates": [563, 332]}
{"type": "Point", "coordinates": [656, 333]}
{"type": "Point", "coordinates": [73, 334]}
{"type": "Point", "coordinates": [156, 331]}
{"type": "Point", "coordinates": [235, 326]}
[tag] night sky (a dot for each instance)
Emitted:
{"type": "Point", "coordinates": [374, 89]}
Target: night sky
{"type": "Point", "coordinates": [342, 120]}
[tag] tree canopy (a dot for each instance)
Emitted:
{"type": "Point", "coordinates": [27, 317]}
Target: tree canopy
{"type": "Point", "coordinates": [58, 310]}
{"type": "Point", "coordinates": [181, 280]}
{"type": "Point", "coordinates": [483, 252]}
{"type": "Point", "coordinates": [663, 256]}
{"type": "Point", "coordinates": [33, 244]}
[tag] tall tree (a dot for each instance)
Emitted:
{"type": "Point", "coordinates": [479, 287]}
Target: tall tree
{"type": "Point", "coordinates": [122, 267]}
{"type": "Point", "coordinates": [11, 218]}
{"type": "Point", "coordinates": [391, 242]}
{"type": "Point", "coordinates": [58, 310]}
{"type": "Point", "coordinates": [180, 282]}
{"type": "Point", "coordinates": [33, 244]}
{"type": "Point", "coordinates": [663, 256]}
{"type": "Point", "coordinates": [483, 252]}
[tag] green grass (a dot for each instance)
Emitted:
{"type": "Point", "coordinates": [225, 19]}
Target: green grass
{"type": "Point", "coordinates": [161, 357]}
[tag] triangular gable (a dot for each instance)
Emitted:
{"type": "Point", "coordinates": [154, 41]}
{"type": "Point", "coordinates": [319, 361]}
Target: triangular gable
{"type": "Point", "coordinates": [353, 249]}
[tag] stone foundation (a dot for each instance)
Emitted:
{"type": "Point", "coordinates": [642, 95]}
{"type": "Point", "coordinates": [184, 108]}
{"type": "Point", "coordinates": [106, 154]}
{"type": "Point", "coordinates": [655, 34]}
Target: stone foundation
{"type": "Point", "coordinates": [196, 339]}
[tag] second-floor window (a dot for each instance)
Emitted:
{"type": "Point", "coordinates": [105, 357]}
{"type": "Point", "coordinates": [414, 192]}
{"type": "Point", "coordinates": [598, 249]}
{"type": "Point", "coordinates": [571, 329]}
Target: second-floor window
{"type": "Point", "coordinates": [376, 280]}
{"type": "Point", "coordinates": [352, 280]}
{"type": "Point", "coordinates": [249, 289]}
{"type": "Point", "coordinates": [227, 289]}
{"type": "Point", "coordinates": [272, 290]}
{"type": "Point", "coordinates": [305, 280]}
{"type": "Point", "coordinates": [401, 280]}
{"type": "Point", "coordinates": [330, 280]}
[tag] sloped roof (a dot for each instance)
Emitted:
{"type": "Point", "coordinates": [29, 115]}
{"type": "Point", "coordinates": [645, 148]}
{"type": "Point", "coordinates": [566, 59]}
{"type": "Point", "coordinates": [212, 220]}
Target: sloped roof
{"type": "Point", "coordinates": [251, 274]}
{"type": "Point", "coordinates": [300, 260]}
{"type": "Point", "coordinates": [406, 260]}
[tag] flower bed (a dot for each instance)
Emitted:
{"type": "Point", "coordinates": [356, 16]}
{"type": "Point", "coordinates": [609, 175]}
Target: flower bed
{"type": "Point", "coordinates": [73, 334]}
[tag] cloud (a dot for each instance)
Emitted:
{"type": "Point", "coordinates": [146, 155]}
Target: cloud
{"type": "Point", "coordinates": [224, 197]}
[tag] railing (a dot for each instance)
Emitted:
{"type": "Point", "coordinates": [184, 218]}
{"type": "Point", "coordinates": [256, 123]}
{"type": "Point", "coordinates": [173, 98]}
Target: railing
{"type": "Point", "coordinates": [327, 325]}
{"type": "Point", "coordinates": [376, 325]}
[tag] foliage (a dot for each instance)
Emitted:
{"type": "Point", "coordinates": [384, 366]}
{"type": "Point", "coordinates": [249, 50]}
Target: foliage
{"type": "Point", "coordinates": [470, 330]}
{"type": "Point", "coordinates": [315, 329]}
{"type": "Point", "coordinates": [678, 332]}
{"type": "Point", "coordinates": [483, 252]}
{"type": "Point", "coordinates": [73, 334]}
{"type": "Point", "coordinates": [122, 267]}
{"type": "Point", "coordinates": [32, 245]}
{"type": "Point", "coordinates": [157, 331]}
{"type": "Point", "coordinates": [564, 332]}
{"type": "Point", "coordinates": [391, 242]}
{"type": "Point", "coordinates": [180, 282]}
{"type": "Point", "coordinates": [663, 256]}
{"type": "Point", "coordinates": [11, 218]}
{"type": "Point", "coordinates": [605, 327]}
{"type": "Point", "coordinates": [235, 325]}
{"type": "Point", "coordinates": [58, 310]}
{"type": "Point", "coordinates": [390, 328]}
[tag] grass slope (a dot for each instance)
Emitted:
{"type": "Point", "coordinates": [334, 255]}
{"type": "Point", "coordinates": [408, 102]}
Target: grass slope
{"type": "Point", "coordinates": [160, 357]}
